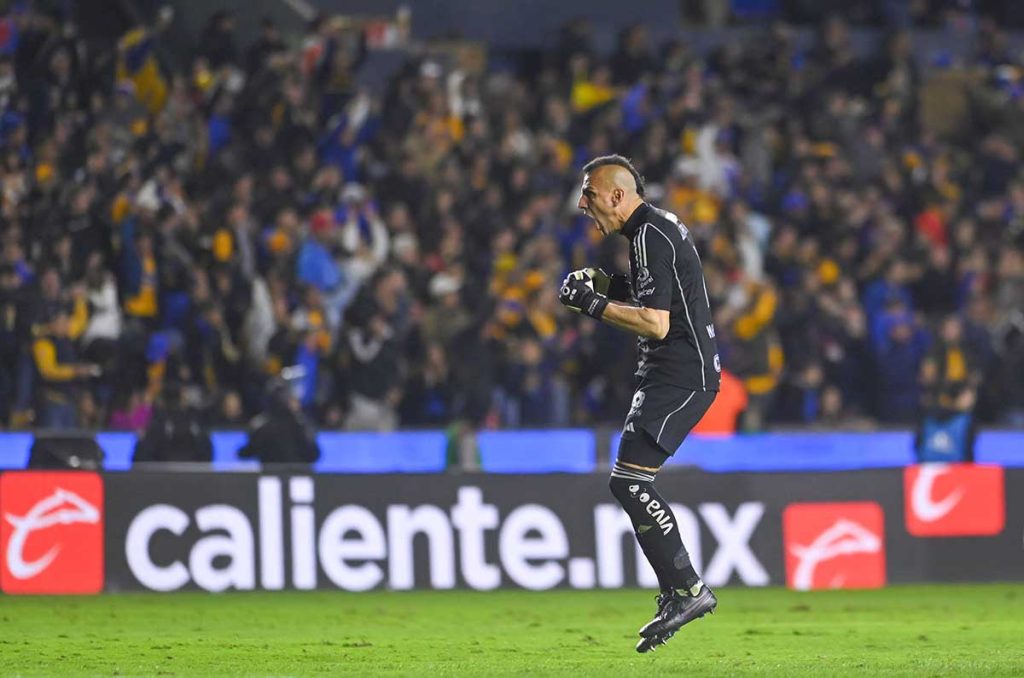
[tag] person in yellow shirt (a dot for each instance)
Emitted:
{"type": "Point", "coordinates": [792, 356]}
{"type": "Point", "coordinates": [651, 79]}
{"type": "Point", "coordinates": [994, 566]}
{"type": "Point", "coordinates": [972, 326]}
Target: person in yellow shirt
{"type": "Point", "coordinates": [141, 300]}
{"type": "Point", "coordinates": [591, 89]}
{"type": "Point", "coordinates": [759, 352]}
{"type": "Point", "coordinates": [949, 372]}
{"type": "Point", "coordinates": [59, 375]}
{"type": "Point", "coordinates": [137, 64]}
{"type": "Point", "coordinates": [950, 376]}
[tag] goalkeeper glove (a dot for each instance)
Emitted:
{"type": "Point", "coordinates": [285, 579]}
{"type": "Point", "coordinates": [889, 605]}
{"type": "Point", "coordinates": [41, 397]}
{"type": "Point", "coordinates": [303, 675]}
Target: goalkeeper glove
{"type": "Point", "coordinates": [578, 294]}
{"type": "Point", "coordinates": [615, 287]}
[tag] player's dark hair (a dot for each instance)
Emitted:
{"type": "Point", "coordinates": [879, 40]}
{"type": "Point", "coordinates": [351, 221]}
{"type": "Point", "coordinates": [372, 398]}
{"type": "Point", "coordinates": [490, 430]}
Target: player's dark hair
{"type": "Point", "coordinates": [621, 161]}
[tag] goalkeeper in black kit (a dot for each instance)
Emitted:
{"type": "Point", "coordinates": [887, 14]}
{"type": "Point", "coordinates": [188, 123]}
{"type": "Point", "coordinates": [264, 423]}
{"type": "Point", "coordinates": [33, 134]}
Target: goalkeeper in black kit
{"type": "Point", "coordinates": [663, 300]}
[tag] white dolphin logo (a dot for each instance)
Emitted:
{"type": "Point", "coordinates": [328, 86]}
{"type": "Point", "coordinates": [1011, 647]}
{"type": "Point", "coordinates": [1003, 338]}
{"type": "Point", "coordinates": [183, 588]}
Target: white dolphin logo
{"type": "Point", "coordinates": [844, 538]}
{"type": "Point", "coordinates": [924, 507]}
{"type": "Point", "coordinates": [63, 507]}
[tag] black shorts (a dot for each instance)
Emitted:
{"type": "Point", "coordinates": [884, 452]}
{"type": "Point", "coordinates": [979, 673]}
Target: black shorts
{"type": "Point", "coordinates": [666, 413]}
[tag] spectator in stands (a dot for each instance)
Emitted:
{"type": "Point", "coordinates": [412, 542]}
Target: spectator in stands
{"type": "Point", "coordinates": [1009, 387]}
{"type": "Point", "coordinates": [758, 354]}
{"type": "Point", "coordinates": [212, 191]}
{"type": "Point", "coordinates": [12, 326]}
{"type": "Point", "coordinates": [370, 357]}
{"type": "Point", "coordinates": [130, 411]}
{"type": "Point", "coordinates": [100, 339]}
{"type": "Point", "coordinates": [950, 373]}
{"type": "Point", "coordinates": [900, 346]}
{"type": "Point", "coordinates": [60, 375]}
{"type": "Point", "coordinates": [229, 413]}
{"type": "Point", "coordinates": [141, 278]}
{"type": "Point", "coordinates": [316, 266]}
{"type": "Point", "coordinates": [949, 378]}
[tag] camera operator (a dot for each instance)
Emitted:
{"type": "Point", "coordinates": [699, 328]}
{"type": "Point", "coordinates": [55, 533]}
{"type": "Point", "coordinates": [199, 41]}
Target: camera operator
{"type": "Point", "coordinates": [281, 434]}
{"type": "Point", "coordinates": [175, 433]}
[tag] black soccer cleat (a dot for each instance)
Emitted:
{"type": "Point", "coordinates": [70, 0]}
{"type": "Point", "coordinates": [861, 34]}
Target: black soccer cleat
{"type": "Point", "coordinates": [647, 644]}
{"type": "Point", "coordinates": [653, 643]}
{"type": "Point", "coordinates": [679, 611]}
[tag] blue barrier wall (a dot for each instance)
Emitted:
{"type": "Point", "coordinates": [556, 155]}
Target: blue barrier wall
{"type": "Point", "coordinates": [565, 451]}
{"type": "Point", "coordinates": [841, 451]}
{"type": "Point", "coordinates": [553, 451]}
{"type": "Point", "coordinates": [793, 451]}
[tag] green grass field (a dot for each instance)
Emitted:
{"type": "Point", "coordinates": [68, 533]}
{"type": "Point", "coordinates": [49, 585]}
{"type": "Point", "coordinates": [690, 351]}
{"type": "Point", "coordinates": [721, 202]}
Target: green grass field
{"type": "Point", "coordinates": [911, 630]}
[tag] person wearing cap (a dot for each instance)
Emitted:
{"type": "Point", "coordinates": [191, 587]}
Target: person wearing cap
{"type": "Point", "coordinates": [363, 232]}
{"type": "Point", "coordinates": [446, 317]}
{"type": "Point", "coordinates": [317, 266]}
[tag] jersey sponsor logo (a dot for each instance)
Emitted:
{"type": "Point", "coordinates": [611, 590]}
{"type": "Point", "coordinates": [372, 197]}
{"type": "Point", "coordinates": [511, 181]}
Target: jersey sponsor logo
{"type": "Point", "coordinates": [51, 532]}
{"type": "Point", "coordinates": [718, 363]}
{"type": "Point", "coordinates": [954, 500]}
{"type": "Point", "coordinates": [711, 330]}
{"type": "Point", "coordinates": [644, 283]}
{"type": "Point", "coordinates": [834, 545]}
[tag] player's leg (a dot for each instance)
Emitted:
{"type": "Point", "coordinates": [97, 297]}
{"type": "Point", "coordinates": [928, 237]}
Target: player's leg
{"type": "Point", "coordinates": [657, 531]}
{"type": "Point", "coordinates": [632, 483]}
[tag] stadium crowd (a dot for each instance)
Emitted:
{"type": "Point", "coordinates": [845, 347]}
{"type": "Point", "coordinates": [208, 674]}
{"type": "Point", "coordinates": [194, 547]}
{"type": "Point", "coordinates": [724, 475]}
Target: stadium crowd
{"type": "Point", "coordinates": [396, 254]}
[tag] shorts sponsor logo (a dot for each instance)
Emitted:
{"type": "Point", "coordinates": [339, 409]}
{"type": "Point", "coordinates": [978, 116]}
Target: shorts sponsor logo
{"type": "Point", "coordinates": [834, 545]}
{"type": "Point", "coordinates": [954, 500]}
{"type": "Point", "coordinates": [51, 532]}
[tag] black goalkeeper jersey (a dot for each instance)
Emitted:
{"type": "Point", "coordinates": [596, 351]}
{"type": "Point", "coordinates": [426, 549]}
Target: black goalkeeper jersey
{"type": "Point", "coordinates": [666, 274]}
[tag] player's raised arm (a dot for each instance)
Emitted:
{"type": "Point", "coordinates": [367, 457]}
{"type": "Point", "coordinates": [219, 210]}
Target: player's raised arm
{"type": "Point", "coordinates": [578, 294]}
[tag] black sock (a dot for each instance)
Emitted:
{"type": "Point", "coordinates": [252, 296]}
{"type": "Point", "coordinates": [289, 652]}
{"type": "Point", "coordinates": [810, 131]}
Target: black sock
{"type": "Point", "coordinates": [656, 528]}
{"type": "Point", "coordinates": [664, 578]}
